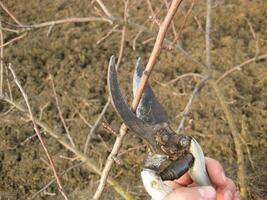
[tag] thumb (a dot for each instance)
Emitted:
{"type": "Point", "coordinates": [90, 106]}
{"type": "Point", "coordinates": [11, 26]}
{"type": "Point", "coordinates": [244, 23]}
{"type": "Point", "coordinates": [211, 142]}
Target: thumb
{"type": "Point", "coordinates": [192, 193]}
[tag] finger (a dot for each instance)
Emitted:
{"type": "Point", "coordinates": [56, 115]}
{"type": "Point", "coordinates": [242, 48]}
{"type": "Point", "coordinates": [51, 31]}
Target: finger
{"type": "Point", "coordinates": [182, 181]}
{"type": "Point", "coordinates": [216, 172]}
{"type": "Point", "coordinates": [172, 184]}
{"type": "Point", "coordinates": [227, 192]}
{"type": "Point", "coordinates": [193, 193]}
{"type": "Point", "coordinates": [230, 185]}
{"type": "Point", "coordinates": [237, 196]}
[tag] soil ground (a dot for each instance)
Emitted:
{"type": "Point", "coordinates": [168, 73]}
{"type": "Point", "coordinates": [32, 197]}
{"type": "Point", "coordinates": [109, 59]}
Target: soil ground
{"type": "Point", "coordinates": [78, 65]}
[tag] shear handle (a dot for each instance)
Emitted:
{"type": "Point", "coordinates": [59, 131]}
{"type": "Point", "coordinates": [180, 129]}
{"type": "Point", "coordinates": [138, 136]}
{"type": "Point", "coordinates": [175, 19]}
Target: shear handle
{"type": "Point", "coordinates": [177, 168]}
{"type": "Point", "coordinates": [154, 184]}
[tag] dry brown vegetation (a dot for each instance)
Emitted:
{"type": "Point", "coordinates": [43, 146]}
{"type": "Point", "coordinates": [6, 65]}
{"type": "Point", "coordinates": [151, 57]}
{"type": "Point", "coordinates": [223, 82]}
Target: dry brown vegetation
{"type": "Point", "coordinates": [59, 52]}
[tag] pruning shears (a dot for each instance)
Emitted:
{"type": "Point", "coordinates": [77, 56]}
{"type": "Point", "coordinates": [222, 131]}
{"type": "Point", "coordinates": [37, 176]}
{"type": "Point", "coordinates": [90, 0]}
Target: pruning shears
{"type": "Point", "coordinates": [150, 122]}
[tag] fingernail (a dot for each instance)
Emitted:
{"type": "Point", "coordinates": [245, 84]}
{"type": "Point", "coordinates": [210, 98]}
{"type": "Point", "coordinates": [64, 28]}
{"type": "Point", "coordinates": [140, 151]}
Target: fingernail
{"type": "Point", "coordinates": [227, 195]}
{"type": "Point", "coordinates": [207, 192]}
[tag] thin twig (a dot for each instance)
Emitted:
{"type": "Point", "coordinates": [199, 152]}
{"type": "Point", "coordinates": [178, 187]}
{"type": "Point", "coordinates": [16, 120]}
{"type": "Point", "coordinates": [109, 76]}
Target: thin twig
{"type": "Point", "coordinates": [109, 162]}
{"type": "Point", "coordinates": [257, 49]}
{"type": "Point", "coordinates": [92, 166]}
{"type": "Point", "coordinates": [189, 104]}
{"type": "Point", "coordinates": [235, 134]}
{"type": "Point", "coordinates": [9, 13]}
{"type": "Point", "coordinates": [123, 130]}
{"type": "Point", "coordinates": [8, 84]}
{"type": "Point", "coordinates": [104, 143]}
{"type": "Point", "coordinates": [243, 134]}
{"type": "Point", "coordinates": [151, 64]}
{"type": "Point", "coordinates": [131, 149]}
{"type": "Point", "coordinates": [107, 34]}
{"type": "Point", "coordinates": [151, 10]}
{"type": "Point", "coordinates": [196, 19]}
{"type": "Point", "coordinates": [42, 110]}
{"type": "Point", "coordinates": [182, 76]}
{"type": "Point", "coordinates": [84, 120]}
{"type": "Point", "coordinates": [104, 8]}
{"type": "Point", "coordinates": [153, 15]}
{"type": "Point", "coordinates": [229, 116]}
{"type": "Point", "coordinates": [167, 42]}
{"type": "Point", "coordinates": [23, 142]}
{"type": "Point", "coordinates": [112, 20]}
{"type": "Point", "coordinates": [175, 34]}
{"type": "Point", "coordinates": [184, 21]}
{"type": "Point", "coordinates": [155, 52]}
{"type": "Point", "coordinates": [51, 162]}
{"type": "Point", "coordinates": [122, 43]}
{"type": "Point", "coordinates": [109, 128]}
{"type": "Point", "coordinates": [207, 38]}
{"type": "Point", "coordinates": [1, 58]}
{"type": "Point", "coordinates": [148, 40]}
{"type": "Point", "coordinates": [6, 112]}
{"type": "Point", "coordinates": [248, 151]}
{"type": "Point", "coordinates": [53, 180]}
{"type": "Point", "coordinates": [136, 37]}
{"type": "Point", "coordinates": [238, 67]}
{"type": "Point", "coordinates": [50, 30]}
{"type": "Point", "coordinates": [204, 79]}
{"type": "Point", "coordinates": [95, 126]}
{"type": "Point", "coordinates": [65, 21]}
{"type": "Point", "coordinates": [13, 40]}
{"type": "Point", "coordinates": [10, 30]}
{"type": "Point", "coordinates": [60, 112]}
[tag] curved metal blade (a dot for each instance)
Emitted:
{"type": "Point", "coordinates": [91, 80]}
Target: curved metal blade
{"type": "Point", "coordinates": [143, 130]}
{"type": "Point", "coordinates": [149, 109]}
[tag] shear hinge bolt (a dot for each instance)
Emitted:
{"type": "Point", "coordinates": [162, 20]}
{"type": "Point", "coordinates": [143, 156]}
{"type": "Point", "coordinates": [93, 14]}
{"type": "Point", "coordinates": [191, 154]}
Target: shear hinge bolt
{"type": "Point", "coordinates": [184, 141]}
{"type": "Point", "coordinates": [165, 138]}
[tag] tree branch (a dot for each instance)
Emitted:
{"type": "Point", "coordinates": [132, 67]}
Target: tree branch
{"type": "Point", "coordinates": [51, 162]}
{"type": "Point", "coordinates": [149, 67]}
{"type": "Point", "coordinates": [92, 166]}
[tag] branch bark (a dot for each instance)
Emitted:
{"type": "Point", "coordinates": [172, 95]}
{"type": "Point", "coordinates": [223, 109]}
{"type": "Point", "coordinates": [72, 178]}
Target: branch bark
{"type": "Point", "coordinates": [229, 116]}
{"type": "Point", "coordinates": [123, 130]}
{"type": "Point", "coordinates": [1, 58]}
{"type": "Point", "coordinates": [92, 166]}
{"type": "Point", "coordinates": [65, 21]}
{"type": "Point", "coordinates": [238, 67]}
{"type": "Point", "coordinates": [9, 13]}
{"type": "Point", "coordinates": [155, 52]}
{"type": "Point", "coordinates": [241, 172]}
{"type": "Point", "coordinates": [36, 129]}
{"type": "Point", "coordinates": [149, 67]}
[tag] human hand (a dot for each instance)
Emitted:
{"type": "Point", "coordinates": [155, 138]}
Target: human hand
{"type": "Point", "coordinates": [185, 189]}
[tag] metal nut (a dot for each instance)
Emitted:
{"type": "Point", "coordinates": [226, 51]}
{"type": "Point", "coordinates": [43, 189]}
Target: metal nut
{"type": "Point", "coordinates": [165, 138]}
{"type": "Point", "coordinates": [184, 141]}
